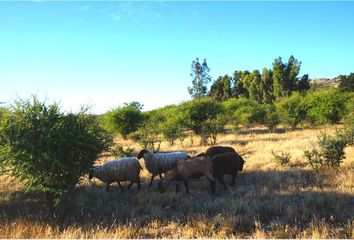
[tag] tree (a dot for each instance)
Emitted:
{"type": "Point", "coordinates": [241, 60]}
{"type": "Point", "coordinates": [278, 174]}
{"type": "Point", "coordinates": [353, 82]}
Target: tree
{"type": "Point", "coordinates": [267, 86]}
{"type": "Point", "coordinates": [291, 71]}
{"type": "Point", "coordinates": [255, 87]}
{"type": "Point", "coordinates": [304, 83]}
{"type": "Point", "coordinates": [124, 120]}
{"type": "Point", "coordinates": [199, 113]}
{"type": "Point", "coordinates": [278, 78]}
{"type": "Point", "coordinates": [48, 150]}
{"type": "Point", "coordinates": [238, 88]}
{"type": "Point", "coordinates": [200, 75]}
{"type": "Point", "coordinates": [220, 90]}
{"type": "Point", "coordinates": [285, 79]}
{"type": "Point", "coordinates": [291, 109]}
{"type": "Point", "coordinates": [346, 83]}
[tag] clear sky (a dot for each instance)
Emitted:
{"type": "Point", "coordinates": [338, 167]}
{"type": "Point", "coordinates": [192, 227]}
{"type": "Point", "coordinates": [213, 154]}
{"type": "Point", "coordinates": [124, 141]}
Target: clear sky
{"type": "Point", "coordinates": [106, 53]}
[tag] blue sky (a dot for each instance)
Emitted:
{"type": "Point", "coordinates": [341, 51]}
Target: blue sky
{"type": "Point", "coordinates": [106, 53]}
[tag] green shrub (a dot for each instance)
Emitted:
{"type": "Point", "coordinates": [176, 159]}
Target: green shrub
{"type": "Point", "coordinates": [49, 150]}
{"type": "Point", "coordinates": [291, 110]}
{"type": "Point", "coordinates": [271, 116]}
{"type": "Point", "coordinates": [325, 106]}
{"type": "Point", "coordinates": [123, 120]}
{"type": "Point", "coordinates": [118, 151]}
{"type": "Point", "coordinates": [244, 111]}
{"type": "Point", "coordinates": [330, 152]}
{"type": "Point", "coordinates": [283, 158]}
{"type": "Point", "coordinates": [199, 114]}
{"type": "Point", "coordinates": [148, 134]}
{"type": "Point", "coordinates": [212, 128]}
{"type": "Point", "coordinates": [172, 129]}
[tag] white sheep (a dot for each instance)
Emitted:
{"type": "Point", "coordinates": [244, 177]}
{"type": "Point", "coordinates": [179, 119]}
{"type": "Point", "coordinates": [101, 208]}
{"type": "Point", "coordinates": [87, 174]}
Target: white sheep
{"type": "Point", "coordinates": [124, 169]}
{"type": "Point", "coordinates": [158, 163]}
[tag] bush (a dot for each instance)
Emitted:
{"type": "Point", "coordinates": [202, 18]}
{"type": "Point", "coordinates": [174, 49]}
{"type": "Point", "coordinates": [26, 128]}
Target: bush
{"type": "Point", "coordinates": [118, 151]}
{"type": "Point", "coordinates": [123, 120]}
{"type": "Point", "coordinates": [200, 114]}
{"type": "Point", "coordinates": [325, 106]}
{"type": "Point", "coordinates": [331, 151]}
{"type": "Point", "coordinates": [244, 111]}
{"type": "Point", "coordinates": [271, 116]}
{"type": "Point", "coordinates": [148, 134]}
{"type": "Point", "coordinates": [283, 158]}
{"type": "Point", "coordinates": [48, 150]}
{"type": "Point", "coordinates": [291, 110]}
{"type": "Point", "coordinates": [212, 128]}
{"type": "Point", "coordinates": [172, 129]}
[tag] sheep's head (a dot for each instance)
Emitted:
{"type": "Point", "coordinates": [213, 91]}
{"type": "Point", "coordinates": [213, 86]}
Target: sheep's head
{"type": "Point", "coordinates": [141, 153]}
{"type": "Point", "coordinates": [241, 164]}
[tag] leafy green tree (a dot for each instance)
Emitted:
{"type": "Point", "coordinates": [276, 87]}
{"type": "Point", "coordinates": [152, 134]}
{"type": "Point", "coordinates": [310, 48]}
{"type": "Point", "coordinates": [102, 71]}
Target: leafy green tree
{"type": "Point", "coordinates": [325, 106]}
{"type": "Point", "coordinates": [197, 113]}
{"type": "Point", "coordinates": [271, 116]}
{"type": "Point", "coordinates": [291, 109]}
{"type": "Point", "coordinates": [255, 87]}
{"type": "Point", "coordinates": [124, 120]}
{"type": "Point", "coordinates": [221, 90]}
{"type": "Point", "coordinates": [304, 83]}
{"type": "Point", "coordinates": [48, 150]}
{"type": "Point", "coordinates": [278, 78]}
{"type": "Point", "coordinates": [238, 88]}
{"type": "Point", "coordinates": [347, 83]}
{"type": "Point", "coordinates": [285, 80]}
{"type": "Point", "coordinates": [201, 78]}
{"type": "Point", "coordinates": [267, 86]}
{"type": "Point", "coordinates": [291, 71]}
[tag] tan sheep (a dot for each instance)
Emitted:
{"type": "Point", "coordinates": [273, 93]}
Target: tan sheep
{"type": "Point", "coordinates": [191, 168]}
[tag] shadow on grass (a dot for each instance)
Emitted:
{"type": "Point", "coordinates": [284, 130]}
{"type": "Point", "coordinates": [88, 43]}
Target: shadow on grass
{"type": "Point", "coordinates": [291, 197]}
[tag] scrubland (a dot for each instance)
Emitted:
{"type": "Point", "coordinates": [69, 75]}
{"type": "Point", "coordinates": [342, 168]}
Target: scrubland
{"type": "Point", "coordinates": [268, 201]}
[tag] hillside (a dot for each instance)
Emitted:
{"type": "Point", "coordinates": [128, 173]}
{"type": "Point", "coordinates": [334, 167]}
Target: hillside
{"type": "Point", "coordinates": [269, 200]}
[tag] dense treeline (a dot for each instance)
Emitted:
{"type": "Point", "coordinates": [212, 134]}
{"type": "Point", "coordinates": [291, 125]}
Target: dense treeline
{"type": "Point", "coordinates": [206, 117]}
{"type": "Point", "coordinates": [271, 97]}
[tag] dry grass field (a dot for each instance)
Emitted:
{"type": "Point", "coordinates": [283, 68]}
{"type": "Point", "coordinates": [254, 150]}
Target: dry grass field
{"type": "Point", "coordinates": [268, 201]}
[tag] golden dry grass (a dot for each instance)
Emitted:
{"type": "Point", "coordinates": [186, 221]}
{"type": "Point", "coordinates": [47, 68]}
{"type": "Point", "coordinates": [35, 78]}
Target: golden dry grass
{"type": "Point", "coordinates": [269, 201]}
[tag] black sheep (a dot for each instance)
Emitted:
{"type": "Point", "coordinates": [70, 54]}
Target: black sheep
{"type": "Point", "coordinates": [227, 163]}
{"type": "Point", "coordinates": [218, 150]}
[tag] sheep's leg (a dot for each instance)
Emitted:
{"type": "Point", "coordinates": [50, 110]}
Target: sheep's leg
{"type": "Point", "coordinates": [160, 175]}
{"type": "Point", "coordinates": [121, 188]}
{"type": "Point", "coordinates": [107, 188]}
{"type": "Point", "coordinates": [152, 179]}
{"type": "Point", "coordinates": [221, 179]}
{"type": "Point", "coordinates": [233, 179]}
{"type": "Point", "coordinates": [212, 186]}
{"type": "Point", "coordinates": [212, 181]}
{"type": "Point", "coordinates": [130, 185]}
{"type": "Point", "coordinates": [177, 186]}
{"type": "Point", "coordinates": [138, 182]}
{"type": "Point", "coordinates": [186, 186]}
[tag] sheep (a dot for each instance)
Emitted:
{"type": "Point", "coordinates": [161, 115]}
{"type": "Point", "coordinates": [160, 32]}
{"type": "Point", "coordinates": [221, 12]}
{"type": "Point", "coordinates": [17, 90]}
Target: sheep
{"type": "Point", "coordinates": [218, 150]}
{"type": "Point", "coordinates": [227, 163]}
{"type": "Point", "coordinates": [191, 168]}
{"type": "Point", "coordinates": [158, 163]}
{"type": "Point", "coordinates": [124, 169]}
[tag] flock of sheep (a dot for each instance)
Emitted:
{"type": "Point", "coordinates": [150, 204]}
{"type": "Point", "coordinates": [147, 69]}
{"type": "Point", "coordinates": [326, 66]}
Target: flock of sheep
{"type": "Point", "coordinates": [176, 166]}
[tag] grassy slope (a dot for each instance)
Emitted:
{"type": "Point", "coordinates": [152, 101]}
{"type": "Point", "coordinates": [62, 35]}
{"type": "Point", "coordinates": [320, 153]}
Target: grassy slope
{"type": "Point", "coordinates": [268, 201]}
